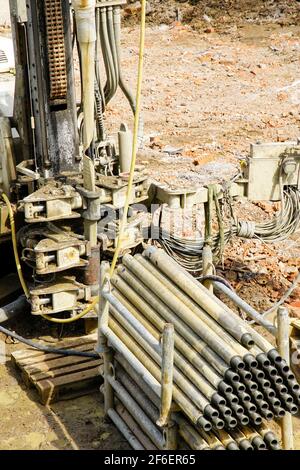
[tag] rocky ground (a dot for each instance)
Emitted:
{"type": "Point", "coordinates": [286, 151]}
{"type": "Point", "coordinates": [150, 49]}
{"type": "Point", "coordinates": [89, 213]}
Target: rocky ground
{"type": "Point", "coordinates": [218, 76]}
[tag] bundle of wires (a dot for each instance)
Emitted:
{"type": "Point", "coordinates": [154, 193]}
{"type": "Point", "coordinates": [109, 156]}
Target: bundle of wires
{"type": "Point", "coordinates": [188, 252]}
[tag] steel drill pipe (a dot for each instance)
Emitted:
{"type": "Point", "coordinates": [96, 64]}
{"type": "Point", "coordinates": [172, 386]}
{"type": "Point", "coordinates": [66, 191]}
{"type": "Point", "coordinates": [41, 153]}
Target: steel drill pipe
{"type": "Point", "coordinates": [125, 430]}
{"type": "Point", "coordinates": [190, 434]}
{"type": "Point", "coordinates": [240, 439]}
{"type": "Point", "coordinates": [255, 439]}
{"type": "Point", "coordinates": [269, 393]}
{"type": "Point", "coordinates": [227, 440]}
{"type": "Point", "coordinates": [142, 298]}
{"type": "Point", "coordinates": [138, 379]}
{"type": "Point", "coordinates": [196, 379]}
{"type": "Point", "coordinates": [134, 427]}
{"type": "Point", "coordinates": [183, 401]}
{"type": "Point", "coordinates": [207, 393]}
{"type": "Point", "coordinates": [168, 266]}
{"type": "Point", "coordinates": [207, 309]}
{"type": "Point", "coordinates": [140, 397]}
{"type": "Point", "coordinates": [194, 441]}
{"type": "Point", "coordinates": [200, 295]}
{"type": "Point", "coordinates": [137, 413]}
{"type": "Point", "coordinates": [199, 326]}
{"type": "Point", "coordinates": [268, 436]}
{"type": "Point", "coordinates": [188, 352]}
{"type": "Point", "coordinates": [211, 439]}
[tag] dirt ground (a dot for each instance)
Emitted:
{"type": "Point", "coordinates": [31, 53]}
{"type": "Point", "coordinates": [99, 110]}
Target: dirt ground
{"type": "Point", "coordinates": [216, 79]}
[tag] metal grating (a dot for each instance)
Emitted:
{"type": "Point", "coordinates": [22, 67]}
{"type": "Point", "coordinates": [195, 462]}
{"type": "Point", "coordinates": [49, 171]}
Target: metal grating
{"type": "Point", "coordinates": [56, 49]}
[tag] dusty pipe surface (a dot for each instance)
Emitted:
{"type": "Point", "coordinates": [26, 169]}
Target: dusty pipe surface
{"type": "Point", "coordinates": [204, 299]}
{"type": "Point", "coordinates": [206, 333]}
{"type": "Point", "coordinates": [192, 360]}
{"type": "Point", "coordinates": [195, 396]}
{"type": "Point", "coordinates": [137, 352]}
{"type": "Point", "coordinates": [137, 413]}
{"type": "Point", "coordinates": [141, 398]}
{"type": "Point", "coordinates": [124, 429]}
{"type": "Point", "coordinates": [167, 372]}
{"type": "Point", "coordinates": [283, 339]}
{"type": "Point", "coordinates": [202, 314]}
{"type": "Point", "coordinates": [134, 427]}
{"type": "Point", "coordinates": [209, 363]}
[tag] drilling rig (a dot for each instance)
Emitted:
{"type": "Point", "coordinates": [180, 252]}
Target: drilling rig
{"type": "Point", "coordinates": [64, 175]}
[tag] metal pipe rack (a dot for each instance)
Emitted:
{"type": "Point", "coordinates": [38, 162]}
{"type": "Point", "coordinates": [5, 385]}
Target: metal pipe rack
{"type": "Point", "coordinates": [182, 369]}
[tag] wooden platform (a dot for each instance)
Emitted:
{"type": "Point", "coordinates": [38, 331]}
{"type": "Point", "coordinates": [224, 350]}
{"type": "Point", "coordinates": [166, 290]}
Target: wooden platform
{"type": "Point", "coordinates": [60, 377]}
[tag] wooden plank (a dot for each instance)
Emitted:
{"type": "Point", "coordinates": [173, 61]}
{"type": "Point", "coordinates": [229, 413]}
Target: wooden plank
{"type": "Point", "coordinates": [65, 371]}
{"type": "Point", "coordinates": [56, 376]}
{"type": "Point", "coordinates": [54, 364]}
{"type": "Point", "coordinates": [59, 387]}
{"type": "Point", "coordinates": [68, 379]}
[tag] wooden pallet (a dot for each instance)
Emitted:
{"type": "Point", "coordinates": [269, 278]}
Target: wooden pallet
{"type": "Point", "coordinates": [60, 377]}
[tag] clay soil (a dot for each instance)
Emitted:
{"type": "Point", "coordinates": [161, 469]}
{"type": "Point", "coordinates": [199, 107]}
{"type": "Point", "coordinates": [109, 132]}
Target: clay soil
{"type": "Point", "coordinates": [216, 79]}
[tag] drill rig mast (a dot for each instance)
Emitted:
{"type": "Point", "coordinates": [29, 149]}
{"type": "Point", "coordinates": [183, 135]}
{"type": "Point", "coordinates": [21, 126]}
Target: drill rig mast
{"type": "Point", "coordinates": [66, 174]}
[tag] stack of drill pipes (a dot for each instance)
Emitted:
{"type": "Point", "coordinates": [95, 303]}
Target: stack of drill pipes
{"type": "Point", "coordinates": [134, 427]}
{"type": "Point", "coordinates": [137, 413]}
{"type": "Point", "coordinates": [188, 283]}
{"type": "Point", "coordinates": [268, 436]}
{"type": "Point", "coordinates": [152, 360]}
{"type": "Point", "coordinates": [198, 381]}
{"type": "Point", "coordinates": [206, 375]}
{"type": "Point", "coordinates": [194, 414]}
{"type": "Point", "coordinates": [186, 430]}
{"type": "Point", "coordinates": [218, 343]}
{"type": "Point", "coordinates": [142, 299]}
{"type": "Point", "coordinates": [193, 288]}
{"type": "Point", "coordinates": [124, 429]}
{"type": "Point", "coordinates": [204, 298]}
{"type": "Point", "coordinates": [140, 397]}
{"type": "Point", "coordinates": [185, 378]}
{"type": "Point", "coordinates": [254, 437]}
{"type": "Point", "coordinates": [145, 296]}
{"type": "Point", "coordinates": [227, 440]}
{"type": "Point", "coordinates": [136, 378]}
{"type": "Point", "coordinates": [241, 440]}
{"type": "Point", "coordinates": [190, 435]}
{"type": "Point", "coordinates": [114, 341]}
{"type": "Point", "coordinates": [201, 313]}
{"type": "Point", "coordinates": [150, 404]}
{"type": "Point", "coordinates": [191, 352]}
{"type": "Point", "coordinates": [205, 369]}
{"type": "Point", "coordinates": [164, 352]}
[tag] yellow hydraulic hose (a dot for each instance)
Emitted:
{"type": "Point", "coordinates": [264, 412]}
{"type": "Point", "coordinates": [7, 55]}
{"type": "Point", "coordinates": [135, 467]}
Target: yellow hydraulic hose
{"type": "Point", "coordinates": [135, 136]}
{"type": "Point", "coordinates": [15, 245]}
{"type": "Point", "coordinates": [132, 168]}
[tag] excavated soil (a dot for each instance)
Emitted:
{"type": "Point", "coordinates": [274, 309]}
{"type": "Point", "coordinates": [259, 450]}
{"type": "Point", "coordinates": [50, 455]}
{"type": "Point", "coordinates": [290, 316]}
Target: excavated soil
{"type": "Point", "coordinates": [218, 76]}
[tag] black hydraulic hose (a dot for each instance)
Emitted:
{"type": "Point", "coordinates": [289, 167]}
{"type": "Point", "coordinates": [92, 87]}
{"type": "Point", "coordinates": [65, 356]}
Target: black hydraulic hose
{"type": "Point", "coordinates": [112, 41]}
{"type": "Point", "coordinates": [211, 277]}
{"type": "Point", "coordinates": [49, 349]}
{"type": "Point", "coordinates": [13, 309]}
{"type": "Point", "coordinates": [111, 84]}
